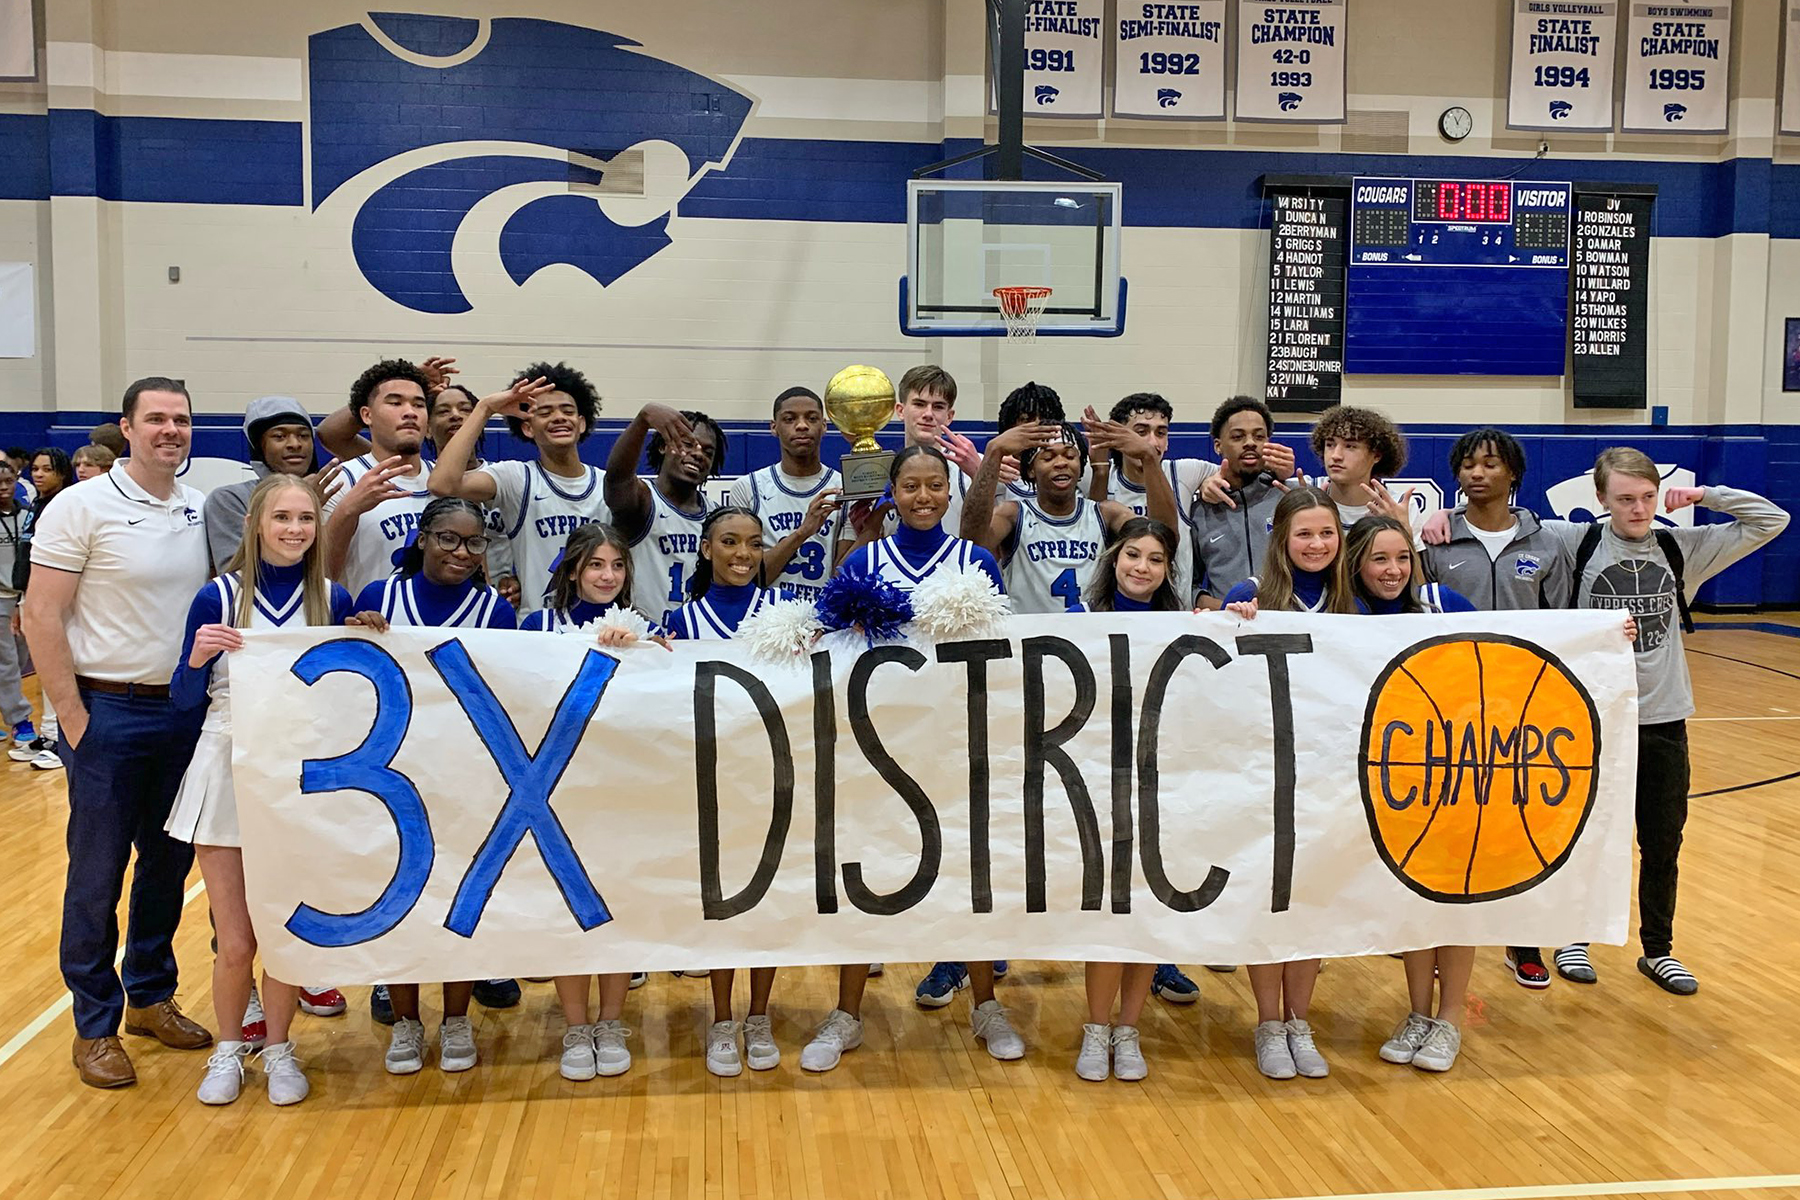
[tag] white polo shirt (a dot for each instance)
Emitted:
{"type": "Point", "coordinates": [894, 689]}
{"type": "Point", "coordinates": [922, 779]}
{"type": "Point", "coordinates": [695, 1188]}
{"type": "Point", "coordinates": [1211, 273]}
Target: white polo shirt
{"type": "Point", "coordinates": [141, 561]}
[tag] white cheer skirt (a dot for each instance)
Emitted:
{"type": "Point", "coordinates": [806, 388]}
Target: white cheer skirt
{"type": "Point", "coordinates": [205, 811]}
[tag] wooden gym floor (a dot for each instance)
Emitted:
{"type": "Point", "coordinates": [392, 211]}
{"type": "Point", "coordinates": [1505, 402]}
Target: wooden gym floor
{"type": "Point", "coordinates": [1615, 1090]}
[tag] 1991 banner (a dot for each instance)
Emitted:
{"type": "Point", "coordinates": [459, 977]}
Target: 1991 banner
{"type": "Point", "coordinates": [435, 804]}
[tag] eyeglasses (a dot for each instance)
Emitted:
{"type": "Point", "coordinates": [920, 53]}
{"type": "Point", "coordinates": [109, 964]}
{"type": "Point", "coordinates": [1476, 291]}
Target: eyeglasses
{"type": "Point", "coordinates": [449, 542]}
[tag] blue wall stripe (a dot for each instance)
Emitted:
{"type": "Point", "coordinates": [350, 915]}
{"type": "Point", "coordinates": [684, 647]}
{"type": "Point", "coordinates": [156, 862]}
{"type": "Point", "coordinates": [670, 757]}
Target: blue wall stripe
{"type": "Point", "coordinates": [186, 160]}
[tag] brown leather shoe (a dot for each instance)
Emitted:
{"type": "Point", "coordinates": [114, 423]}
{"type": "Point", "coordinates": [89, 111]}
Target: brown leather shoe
{"type": "Point", "coordinates": [165, 1023]}
{"type": "Point", "coordinates": [103, 1063]}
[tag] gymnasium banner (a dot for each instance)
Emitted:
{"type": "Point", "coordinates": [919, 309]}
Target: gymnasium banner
{"type": "Point", "coordinates": [443, 804]}
{"type": "Point", "coordinates": [1169, 60]}
{"type": "Point", "coordinates": [1790, 67]}
{"type": "Point", "coordinates": [1677, 67]}
{"type": "Point", "coordinates": [1562, 64]}
{"type": "Point", "coordinates": [1290, 60]}
{"type": "Point", "coordinates": [1064, 45]}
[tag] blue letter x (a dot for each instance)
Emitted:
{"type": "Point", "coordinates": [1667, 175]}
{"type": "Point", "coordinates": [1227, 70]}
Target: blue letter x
{"type": "Point", "coordinates": [531, 779]}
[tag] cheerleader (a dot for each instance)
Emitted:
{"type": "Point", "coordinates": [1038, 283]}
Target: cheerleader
{"type": "Point", "coordinates": [276, 579]}
{"type": "Point", "coordinates": [1134, 575]}
{"type": "Point", "coordinates": [441, 584]}
{"type": "Point", "coordinates": [1386, 574]}
{"type": "Point", "coordinates": [592, 578]}
{"type": "Point", "coordinates": [920, 489]}
{"type": "Point", "coordinates": [1304, 570]}
{"type": "Point", "coordinates": [724, 589]}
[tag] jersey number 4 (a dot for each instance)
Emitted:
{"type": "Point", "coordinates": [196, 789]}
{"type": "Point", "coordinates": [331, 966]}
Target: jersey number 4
{"type": "Point", "coordinates": [1067, 590]}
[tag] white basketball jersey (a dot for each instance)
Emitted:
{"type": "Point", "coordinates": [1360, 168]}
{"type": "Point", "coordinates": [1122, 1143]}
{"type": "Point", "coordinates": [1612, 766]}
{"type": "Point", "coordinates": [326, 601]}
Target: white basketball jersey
{"type": "Point", "coordinates": [782, 506]}
{"type": "Point", "coordinates": [1053, 559]}
{"type": "Point", "coordinates": [663, 557]}
{"type": "Point", "coordinates": [1185, 475]}
{"type": "Point", "coordinates": [400, 607]}
{"type": "Point", "coordinates": [539, 511]}
{"type": "Point", "coordinates": [381, 533]}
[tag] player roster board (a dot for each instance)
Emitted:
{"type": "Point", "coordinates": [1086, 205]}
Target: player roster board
{"type": "Point", "coordinates": [1306, 299]}
{"type": "Point", "coordinates": [1457, 277]}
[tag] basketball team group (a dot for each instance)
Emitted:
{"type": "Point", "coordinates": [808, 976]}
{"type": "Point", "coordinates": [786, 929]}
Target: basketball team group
{"type": "Point", "coordinates": [405, 524]}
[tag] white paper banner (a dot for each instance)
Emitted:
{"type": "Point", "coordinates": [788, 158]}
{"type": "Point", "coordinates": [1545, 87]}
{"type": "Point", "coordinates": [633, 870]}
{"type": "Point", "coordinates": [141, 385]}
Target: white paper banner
{"type": "Point", "coordinates": [18, 310]}
{"type": "Point", "coordinates": [1169, 60]}
{"type": "Point", "coordinates": [1562, 64]}
{"type": "Point", "coordinates": [1290, 60]}
{"type": "Point", "coordinates": [1064, 48]}
{"type": "Point", "coordinates": [18, 40]}
{"type": "Point", "coordinates": [1148, 788]}
{"type": "Point", "coordinates": [1677, 68]}
{"type": "Point", "coordinates": [1790, 68]}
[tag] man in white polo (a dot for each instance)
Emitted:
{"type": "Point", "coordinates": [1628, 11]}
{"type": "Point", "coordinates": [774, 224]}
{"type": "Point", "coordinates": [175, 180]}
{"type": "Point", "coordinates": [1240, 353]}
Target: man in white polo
{"type": "Point", "coordinates": [115, 564]}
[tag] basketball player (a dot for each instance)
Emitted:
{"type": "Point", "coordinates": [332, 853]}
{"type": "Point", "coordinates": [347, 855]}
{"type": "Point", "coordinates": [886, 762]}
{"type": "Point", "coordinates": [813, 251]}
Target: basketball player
{"type": "Point", "coordinates": [1114, 478]}
{"type": "Point", "coordinates": [1631, 565]}
{"type": "Point", "coordinates": [1231, 533]}
{"type": "Point", "coordinates": [796, 498]}
{"type": "Point", "coordinates": [1360, 448]}
{"type": "Point", "coordinates": [554, 407]}
{"type": "Point", "coordinates": [1028, 402]}
{"type": "Point", "coordinates": [368, 520]}
{"type": "Point", "coordinates": [662, 518]}
{"type": "Point", "coordinates": [1500, 557]}
{"type": "Point", "coordinates": [1049, 545]}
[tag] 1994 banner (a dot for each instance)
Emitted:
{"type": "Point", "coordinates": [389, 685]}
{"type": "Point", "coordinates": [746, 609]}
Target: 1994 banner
{"type": "Point", "coordinates": [434, 804]}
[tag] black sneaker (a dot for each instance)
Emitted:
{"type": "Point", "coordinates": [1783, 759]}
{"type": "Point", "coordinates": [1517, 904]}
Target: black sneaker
{"type": "Point", "coordinates": [380, 1007]}
{"type": "Point", "coordinates": [26, 751]}
{"type": "Point", "coordinates": [497, 993]}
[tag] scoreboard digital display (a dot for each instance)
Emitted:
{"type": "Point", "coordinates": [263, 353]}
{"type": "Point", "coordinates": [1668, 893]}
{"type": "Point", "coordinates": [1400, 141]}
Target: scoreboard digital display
{"type": "Point", "coordinates": [1457, 277]}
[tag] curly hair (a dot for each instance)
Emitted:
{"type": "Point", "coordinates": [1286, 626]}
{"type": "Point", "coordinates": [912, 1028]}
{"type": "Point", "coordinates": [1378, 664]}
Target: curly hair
{"type": "Point", "coordinates": [1498, 442]}
{"type": "Point", "coordinates": [1348, 423]}
{"type": "Point", "coordinates": [1028, 402]}
{"type": "Point", "coordinates": [380, 373]}
{"type": "Point", "coordinates": [655, 450]}
{"type": "Point", "coordinates": [571, 383]}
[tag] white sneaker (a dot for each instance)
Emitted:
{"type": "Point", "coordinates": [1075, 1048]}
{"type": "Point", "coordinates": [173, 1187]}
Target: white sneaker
{"type": "Point", "coordinates": [1128, 1055]}
{"type": "Point", "coordinates": [1307, 1059]}
{"type": "Point", "coordinates": [1273, 1058]}
{"type": "Point", "coordinates": [876, 970]}
{"type": "Point", "coordinates": [224, 1079]}
{"type": "Point", "coordinates": [406, 1049]}
{"type": "Point", "coordinates": [456, 1044]}
{"type": "Point", "coordinates": [578, 1053]}
{"type": "Point", "coordinates": [610, 1055]}
{"type": "Point", "coordinates": [1094, 1062]}
{"type": "Point", "coordinates": [638, 980]}
{"type": "Point", "coordinates": [759, 1044]}
{"type": "Point", "coordinates": [722, 1057]}
{"type": "Point", "coordinates": [839, 1033]}
{"type": "Point", "coordinates": [1440, 1048]}
{"type": "Point", "coordinates": [47, 760]}
{"type": "Point", "coordinates": [1409, 1035]}
{"type": "Point", "coordinates": [989, 1024]}
{"type": "Point", "coordinates": [287, 1082]}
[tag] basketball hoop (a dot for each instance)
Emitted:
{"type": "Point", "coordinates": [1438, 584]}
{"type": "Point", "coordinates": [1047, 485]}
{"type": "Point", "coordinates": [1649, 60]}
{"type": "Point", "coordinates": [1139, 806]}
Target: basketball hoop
{"type": "Point", "coordinates": [1020, 308]}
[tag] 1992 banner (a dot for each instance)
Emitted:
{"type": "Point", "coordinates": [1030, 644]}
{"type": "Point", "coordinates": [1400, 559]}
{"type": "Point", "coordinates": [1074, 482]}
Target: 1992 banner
{"type": "Point", "coordinates": [441, 804]}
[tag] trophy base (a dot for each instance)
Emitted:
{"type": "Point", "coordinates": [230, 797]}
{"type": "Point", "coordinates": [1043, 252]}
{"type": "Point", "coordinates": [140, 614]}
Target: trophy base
{"type": "Point", "coordinates": [865, 476]}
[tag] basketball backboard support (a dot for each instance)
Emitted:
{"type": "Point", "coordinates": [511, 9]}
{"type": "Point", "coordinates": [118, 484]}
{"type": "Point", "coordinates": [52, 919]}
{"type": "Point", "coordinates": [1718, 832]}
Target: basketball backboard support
{"type": "Point", "coordinates": [966, 237]}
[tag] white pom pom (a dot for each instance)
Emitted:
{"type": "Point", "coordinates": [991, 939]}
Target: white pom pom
{"type": "Point", "coordinates": [958, 604]}
{"type": "Point", "coordinates": [629, 619]}
{"type": "Point", "coordinates": [783, 632]}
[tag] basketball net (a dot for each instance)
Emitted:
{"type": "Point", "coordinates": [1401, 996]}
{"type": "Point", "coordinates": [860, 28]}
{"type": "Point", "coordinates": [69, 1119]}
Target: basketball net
{"type": "Point", "coordinates": [1021, 308]}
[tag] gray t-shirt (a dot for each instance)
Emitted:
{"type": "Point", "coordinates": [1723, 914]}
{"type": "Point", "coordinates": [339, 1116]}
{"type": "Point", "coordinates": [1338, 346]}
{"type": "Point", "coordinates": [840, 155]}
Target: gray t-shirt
{"type": "Point", "coordinates": [1633, 576]}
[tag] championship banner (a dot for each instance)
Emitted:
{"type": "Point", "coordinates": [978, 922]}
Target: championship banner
{"type": "Point", "coordinates": [432, 804]}
{"type": "Point", "coordinates": [1169, 60]}
{"type": "Point", "coordinates": [1677, 67]}
{"type": "Point", "coordinates": [1063, 58]}
{"type": "Point", "coordinates": [1562, 64]}
{"type": "Point", "coordinates": [1790, 67]}
{"type": "Point", "coordinates": [1290, 60]}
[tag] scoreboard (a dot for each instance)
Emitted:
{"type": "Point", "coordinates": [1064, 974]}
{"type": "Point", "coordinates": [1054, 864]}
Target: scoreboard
{"type": "Point", "coordinates": [1457, 277]}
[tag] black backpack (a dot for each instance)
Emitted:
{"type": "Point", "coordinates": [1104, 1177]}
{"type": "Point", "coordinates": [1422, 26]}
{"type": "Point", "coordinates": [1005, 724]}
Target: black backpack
{"type": "Point", "coordinates": [1590, 541]}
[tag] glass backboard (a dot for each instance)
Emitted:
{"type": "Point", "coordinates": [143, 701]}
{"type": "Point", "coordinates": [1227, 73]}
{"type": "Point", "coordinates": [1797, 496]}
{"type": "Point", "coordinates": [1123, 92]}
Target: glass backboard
{"type": "Point", "coordinates": [964, 238]}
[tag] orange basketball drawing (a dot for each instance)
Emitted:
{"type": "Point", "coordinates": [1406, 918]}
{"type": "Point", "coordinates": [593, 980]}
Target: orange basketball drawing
{"type": "Point", "coordinates": [1479, 764]}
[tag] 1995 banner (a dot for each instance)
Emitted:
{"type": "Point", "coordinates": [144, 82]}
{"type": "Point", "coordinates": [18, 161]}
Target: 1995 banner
{"type": "Point", "coordinates": [426, 805]}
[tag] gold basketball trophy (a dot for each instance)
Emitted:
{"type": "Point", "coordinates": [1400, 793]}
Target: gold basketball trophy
{"type": "Point", "coordinates": [860, 400]}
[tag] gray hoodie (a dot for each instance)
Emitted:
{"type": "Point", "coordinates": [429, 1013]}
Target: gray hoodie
{"type": "Point", "coordinates": [1229, 543]}
{"type": "Point", "coordinates": [1635, 577]}
{"type": "Point", "coordinates": [1532, 572]}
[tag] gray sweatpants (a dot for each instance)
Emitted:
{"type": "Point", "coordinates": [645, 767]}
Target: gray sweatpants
{"type": "Point", "coordinates": [13, 705]}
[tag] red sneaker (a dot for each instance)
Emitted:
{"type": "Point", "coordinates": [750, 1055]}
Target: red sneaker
{"type": "Point", "coordinates": [322, 1002]}
{"type": "Point", "coordinates": [256, 1030]}
{"type": "Point", "coordinates": [1527, 966]}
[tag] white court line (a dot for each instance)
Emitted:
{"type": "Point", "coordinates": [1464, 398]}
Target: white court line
{"type": "Point", "coordinates": [1744, 718]}
{"type": "Point", "coordinates": [44, 1019]}
{"type": "Point", "coordinates": [1550, 1191]}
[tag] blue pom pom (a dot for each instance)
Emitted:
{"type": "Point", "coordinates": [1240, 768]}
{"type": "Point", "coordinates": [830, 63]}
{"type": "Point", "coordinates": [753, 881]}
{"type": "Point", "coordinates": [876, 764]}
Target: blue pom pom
{"type": "Point", "coordinates": [866, 602]}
